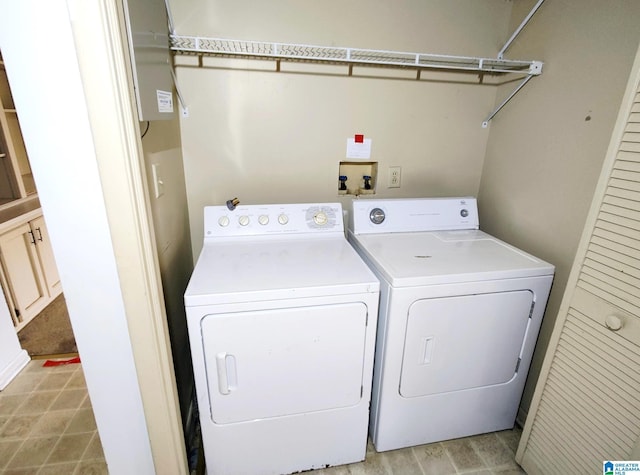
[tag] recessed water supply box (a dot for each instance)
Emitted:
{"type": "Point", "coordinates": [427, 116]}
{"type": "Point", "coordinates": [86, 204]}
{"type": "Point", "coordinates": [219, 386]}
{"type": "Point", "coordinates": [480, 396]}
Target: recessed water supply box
{"type": "Point", "coordinates": [357, 178]}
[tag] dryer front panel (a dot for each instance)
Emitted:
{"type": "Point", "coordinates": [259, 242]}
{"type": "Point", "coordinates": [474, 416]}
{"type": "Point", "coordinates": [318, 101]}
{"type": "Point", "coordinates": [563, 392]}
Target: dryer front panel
{"type": "Point", "coordinates": [270, 363]}
{"type": "Point", "coordinates": [463, 342]}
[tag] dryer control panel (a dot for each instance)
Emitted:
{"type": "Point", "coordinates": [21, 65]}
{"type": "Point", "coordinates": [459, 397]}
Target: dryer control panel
{"type": "Point", "coordinates": [413, 215]}
{"type": "Point", "coordinates": [273, 219]}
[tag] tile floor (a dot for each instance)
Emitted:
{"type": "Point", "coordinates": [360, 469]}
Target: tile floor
{"type": "Point", "coordinates": [487, 454]}
{"type": "Point", "coordinates": [47, 425]}
{"type": "Point", "coordinates": [47, 428]}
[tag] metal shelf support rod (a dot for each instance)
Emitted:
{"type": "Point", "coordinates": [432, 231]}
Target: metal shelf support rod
{"type": "Point", "coordinates": [485, 124]}
{"type": "Point", "coordinates": [519, 29]}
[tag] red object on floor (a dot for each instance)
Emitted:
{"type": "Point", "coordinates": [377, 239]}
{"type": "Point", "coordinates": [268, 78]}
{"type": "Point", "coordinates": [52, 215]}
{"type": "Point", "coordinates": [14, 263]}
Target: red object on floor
{"type": "Point", "coordinates": [62, 362]}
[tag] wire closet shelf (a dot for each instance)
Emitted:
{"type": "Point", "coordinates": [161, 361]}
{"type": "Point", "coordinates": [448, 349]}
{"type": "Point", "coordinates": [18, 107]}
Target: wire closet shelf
{"type": "Point", "coordinates": [350, 56]}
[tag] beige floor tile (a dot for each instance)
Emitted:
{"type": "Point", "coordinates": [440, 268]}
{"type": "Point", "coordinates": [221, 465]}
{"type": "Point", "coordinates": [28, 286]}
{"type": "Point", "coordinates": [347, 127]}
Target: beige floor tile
{"type": "Point", "coordinates": [8, 448]}
{"type": "Point", "coordinates": [22, 471]}
{"type": "Point", "coordinates": [9, 403]}
{"type": "Point", "coordinates": [82, 421]}
{"type": "Point", "coordinates": [511, 438]}
{"type": "Point", "coordinates": [69, 399]}
{"type": "Point", "coordinates": [37, 402]}
{"type": "Point", "coordinates": [463, 455]}
{"type": "Point", "coordinates": [3, 421]}
{"type": "Point", "coordinates": [94, 450]}
{"type": "Point", "coordinates": [69, 448]}
{"type": "Point", "coordinates": [54, 381]}
{"type": "Point", "coordinates": [52, 423]}
{"type": "Point", "coordinates": [434, 460]}
{"type": "Point", "coordinates": [92, 467]}
{"type": "Point", "coordinates": [493, 451]}
{"type": "Point", "coordinates": [33, 452]}
{"type": "Point", "coordinates": [19, 426]}
{"type": "Point", "coordinates": [509, 471]}
{"type": "Point", "coordinates": [58, 469]}
{"type": "Point", "coordinates": [24, 384]}
{"type": "Point", "coordinates": [403, 462]}
{"type": "Point", "coordinates": [77, 380]}
{"type": "Point", "coordinates": [373, 465]}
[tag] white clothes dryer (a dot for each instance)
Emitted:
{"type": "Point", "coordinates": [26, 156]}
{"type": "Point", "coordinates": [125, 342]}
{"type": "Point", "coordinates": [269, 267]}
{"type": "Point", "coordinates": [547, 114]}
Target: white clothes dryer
{"type": "Point", "coordinates": [281, 314]}
{"type": "Point", "coordinates": [460, 313]}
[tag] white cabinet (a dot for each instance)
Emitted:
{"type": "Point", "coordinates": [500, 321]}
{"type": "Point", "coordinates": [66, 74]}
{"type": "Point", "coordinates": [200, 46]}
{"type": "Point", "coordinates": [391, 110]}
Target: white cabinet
{"type": "Point", "coordinates": [45, 256]}
{"type": "Point", "coordinates": [29, 274]}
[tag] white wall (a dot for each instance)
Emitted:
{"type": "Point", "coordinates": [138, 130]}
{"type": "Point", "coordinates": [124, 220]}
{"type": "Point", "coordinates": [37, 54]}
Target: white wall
{"type": "Point", "coordinates": [161, 146]}
{"type": "Point", "coordinates": [265, 137]}
{"type": "Point", "coordinates": [546, 148]}
{"type": "Point", "coordinates": [54, 122]}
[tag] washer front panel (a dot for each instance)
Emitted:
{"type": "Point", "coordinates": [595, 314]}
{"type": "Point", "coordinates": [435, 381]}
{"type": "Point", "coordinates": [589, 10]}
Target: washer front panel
{"type": "Point", "coordinates": [483, 350]}
{"type": "Point", "coordinates": [270, 363]}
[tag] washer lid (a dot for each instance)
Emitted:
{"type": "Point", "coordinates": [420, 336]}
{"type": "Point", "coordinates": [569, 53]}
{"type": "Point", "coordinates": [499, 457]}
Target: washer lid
{"type": "Point", "coordinates": [439, 257]}
{"type": "Point", "coordinates": [247, 270]}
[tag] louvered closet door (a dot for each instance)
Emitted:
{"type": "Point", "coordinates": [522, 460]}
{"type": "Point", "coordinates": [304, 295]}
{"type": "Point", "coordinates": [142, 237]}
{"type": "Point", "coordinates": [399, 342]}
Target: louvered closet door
{"type": "Point", "coordinates": [586, 409]}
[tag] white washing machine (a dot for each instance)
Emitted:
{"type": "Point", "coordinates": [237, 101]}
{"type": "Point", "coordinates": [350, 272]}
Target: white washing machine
{"type": "Point", "coordinates": [459, 316]}
{"type": "Point", "coordinates": [281, 315]}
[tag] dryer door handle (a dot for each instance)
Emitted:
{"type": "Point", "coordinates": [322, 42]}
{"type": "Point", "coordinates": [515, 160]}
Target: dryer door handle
{"type": "Point", "coordinates": [227, 378]}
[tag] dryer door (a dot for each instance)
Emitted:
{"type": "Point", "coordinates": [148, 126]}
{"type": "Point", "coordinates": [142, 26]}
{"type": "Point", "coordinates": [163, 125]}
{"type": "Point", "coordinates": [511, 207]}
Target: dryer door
{"type": "Point", "coordinates": [271, 363]}
{"type": "Point", "coordinates": [465, 342]}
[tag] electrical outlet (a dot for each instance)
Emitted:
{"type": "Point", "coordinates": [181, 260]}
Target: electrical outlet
{"type": "Point", "coordinates": [394, 177]}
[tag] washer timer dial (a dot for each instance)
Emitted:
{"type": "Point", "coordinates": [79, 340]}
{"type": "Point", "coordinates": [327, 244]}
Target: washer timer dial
{"type": "Point", "coordinates": [320, 218]}
{"type": "Point", "coordinates": [283, 219]}
{"type": "Point", "coordinates": [377, 216]}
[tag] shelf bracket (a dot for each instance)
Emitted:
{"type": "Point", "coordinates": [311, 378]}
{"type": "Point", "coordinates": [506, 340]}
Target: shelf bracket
{"type": "Point", "coordinates": [519, 29]}
{"type": "Point", "coordinates": [485, 123]}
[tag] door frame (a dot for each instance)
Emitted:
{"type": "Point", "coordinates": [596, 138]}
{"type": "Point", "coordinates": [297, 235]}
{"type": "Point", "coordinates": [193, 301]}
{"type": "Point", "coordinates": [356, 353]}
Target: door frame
{"type": "Point", "coordinates": [66, 62]}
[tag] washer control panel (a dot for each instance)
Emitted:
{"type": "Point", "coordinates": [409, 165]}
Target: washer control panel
{"type": "Point", "coordinates": [413, 215]}
{"type": "Point", "coordinates": [276, 219]}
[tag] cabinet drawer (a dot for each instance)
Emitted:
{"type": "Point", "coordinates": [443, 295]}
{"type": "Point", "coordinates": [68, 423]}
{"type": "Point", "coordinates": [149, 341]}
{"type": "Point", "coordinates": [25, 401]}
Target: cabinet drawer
{"type": "Point", "coordinates": [610, 317]}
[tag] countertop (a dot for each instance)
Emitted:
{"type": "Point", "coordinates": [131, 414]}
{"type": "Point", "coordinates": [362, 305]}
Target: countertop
{"type": "Point", "coordinates": [19, 211]}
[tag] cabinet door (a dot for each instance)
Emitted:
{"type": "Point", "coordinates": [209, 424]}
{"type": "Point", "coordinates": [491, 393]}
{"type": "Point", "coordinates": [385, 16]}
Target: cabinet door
{"type": "Point", "coordinates": [45, 255]}
{"type": "Point", "coordinates": [22, 271]}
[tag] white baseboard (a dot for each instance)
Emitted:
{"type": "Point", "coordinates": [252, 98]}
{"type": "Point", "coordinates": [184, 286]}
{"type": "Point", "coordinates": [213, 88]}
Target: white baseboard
{"type": "Point", "coordinates": [13, 368]}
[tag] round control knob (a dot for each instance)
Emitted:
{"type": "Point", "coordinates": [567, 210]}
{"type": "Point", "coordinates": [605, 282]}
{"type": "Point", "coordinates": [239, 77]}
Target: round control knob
{"type": "Point", "coordinates": [283, 219]}
{"type": "Point", "coordinates": [464, 213]}
{"type": "Point", "coordinates": [263, 219]}
{"type": "Point", "coordinates": [223, 221]}
{"type": "Point", "coordinates": [320, 218]}
{"type": "Point", "coordinates": [613, 323]}
{"type": "Point", "coordinates": [243, 220]}
{"type": "Point", "coordinates": [377, 216]}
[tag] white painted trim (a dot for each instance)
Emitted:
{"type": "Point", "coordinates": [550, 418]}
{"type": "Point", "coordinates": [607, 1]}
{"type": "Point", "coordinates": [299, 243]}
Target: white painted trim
{"type": "Point", "coordinates": [99, 31]}
{"type": "Point", "coordinates": [110, 281]}
{"type": "Point", "coordinates": [13, 368]}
